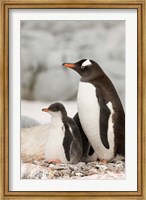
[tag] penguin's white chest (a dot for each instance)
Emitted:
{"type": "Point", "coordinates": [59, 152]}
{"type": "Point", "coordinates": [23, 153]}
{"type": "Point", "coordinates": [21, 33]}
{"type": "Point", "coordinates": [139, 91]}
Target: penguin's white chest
{"type": "Point", "coordinates": [89, 114]}
{"type": "Point", "coordinates": [54, 147]}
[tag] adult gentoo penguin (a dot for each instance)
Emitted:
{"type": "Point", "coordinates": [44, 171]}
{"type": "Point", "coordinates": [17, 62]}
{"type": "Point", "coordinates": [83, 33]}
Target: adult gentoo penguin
{"type": "Point", "coordinates": [100, 110]}
{"type": "Point", "coordinates": [64, 142]}
{"type": "Point", "coordinates": [88, 153]}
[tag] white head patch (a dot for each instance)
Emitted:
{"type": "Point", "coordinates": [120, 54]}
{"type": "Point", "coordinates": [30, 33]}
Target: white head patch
{"type": "Point", "coordinates": [86, 62]}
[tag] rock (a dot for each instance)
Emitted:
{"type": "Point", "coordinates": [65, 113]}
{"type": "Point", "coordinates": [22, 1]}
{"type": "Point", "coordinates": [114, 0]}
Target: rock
{"type": "Point", "coordinates": [57, 167]}
{"type": "Point", "coordinates": [31, 171]}
{"type": "Point", "coordinates": [92, 171]}
{"type": "Point", "coordinates": [57, 84]}
{"type": "Point", "coordinates": [65, 172]}
{"type": "Point", "coordinates": [101, 167]}
{"type": "Point", "coordinates": [27, 122]}
{"type": "Point", "coordinates": [111, 166]}
{"type": "Point", "coordinates": [72, 171]}
{"type": "Point", "coordinates": [56, 173]}
{"type": "Point", "coordinates": [79, 174]}
{"type": "Point", "coordinates": [119, 166]}
{"type": "Point", "coordinates": [34, 45]}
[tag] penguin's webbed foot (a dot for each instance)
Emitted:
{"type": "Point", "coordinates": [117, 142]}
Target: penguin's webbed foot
{"type": "Point", "coordinates": [55, 161]}
{"type": "Point", "coordinates": [103, 161]}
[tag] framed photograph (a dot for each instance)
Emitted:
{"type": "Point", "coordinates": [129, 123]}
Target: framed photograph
{"type": "Point", "coordinates": [83, 64]}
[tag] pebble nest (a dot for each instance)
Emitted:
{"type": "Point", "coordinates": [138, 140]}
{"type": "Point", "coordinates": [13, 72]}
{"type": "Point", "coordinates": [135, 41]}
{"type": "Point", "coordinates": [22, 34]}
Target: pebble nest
{"type": "Point", "coordinates": [92, 170]}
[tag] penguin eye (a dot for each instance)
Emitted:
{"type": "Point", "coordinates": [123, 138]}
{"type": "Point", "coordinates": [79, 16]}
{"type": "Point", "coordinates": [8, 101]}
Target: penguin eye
{"type": "Point", "coordinates": [83, 67]}
{"type": "Point", "coordinates": [87, 66]}
{"type": "Point", "coordinates": [54, 109]}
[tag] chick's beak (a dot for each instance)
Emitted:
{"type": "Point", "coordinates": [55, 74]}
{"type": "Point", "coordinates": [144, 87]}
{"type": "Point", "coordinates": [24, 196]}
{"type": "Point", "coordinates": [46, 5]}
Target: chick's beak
{"type": "Point", "coordinates": [45, 110]}
{"type": "Point", "coordinates": [70, 65]}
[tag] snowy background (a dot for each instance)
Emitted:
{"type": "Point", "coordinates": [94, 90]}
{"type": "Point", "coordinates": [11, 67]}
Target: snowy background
{"type": "Point", "coordinates": [45, 45]}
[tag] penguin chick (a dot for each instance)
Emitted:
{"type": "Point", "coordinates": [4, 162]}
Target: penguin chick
{"type": "Point", "coordinates": [100, 110]}
{"type": "Point", "coordinates": [64, 142]}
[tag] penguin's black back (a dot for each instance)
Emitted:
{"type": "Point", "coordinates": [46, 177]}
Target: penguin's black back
{"type": "Point", "coordinates": [110, 94]}
{"type": "Point", "coordinates": [72, 140]}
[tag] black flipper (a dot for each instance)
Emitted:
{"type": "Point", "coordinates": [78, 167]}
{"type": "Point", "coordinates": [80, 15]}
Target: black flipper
{"type": "Point", "coordinates": [68, 139]}
{"type": "Point", "coordinates": [104, 117]}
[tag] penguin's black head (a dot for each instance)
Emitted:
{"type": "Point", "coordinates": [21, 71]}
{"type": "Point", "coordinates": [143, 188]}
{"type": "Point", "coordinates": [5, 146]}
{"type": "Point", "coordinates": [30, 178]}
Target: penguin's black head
{"type": "Point", "coordinates": [56, 110]}
{"type": "Point", "coordinates": [86, 68]}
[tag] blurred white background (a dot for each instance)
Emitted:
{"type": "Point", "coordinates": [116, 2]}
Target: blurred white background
{"type": "Point", "coordinates": [45, 45]}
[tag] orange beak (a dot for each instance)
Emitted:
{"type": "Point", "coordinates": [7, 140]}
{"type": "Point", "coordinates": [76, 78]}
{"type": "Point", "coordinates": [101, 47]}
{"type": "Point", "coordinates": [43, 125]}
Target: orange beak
{"type": "Point", "coordinates": [70, 65]}
{"type": "Point", "coordinates": [45, 110]}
